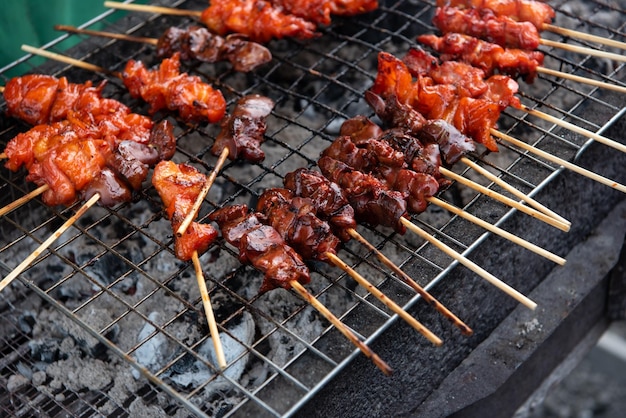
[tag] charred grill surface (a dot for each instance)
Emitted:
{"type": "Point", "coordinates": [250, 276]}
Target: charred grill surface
{"type": "Point", "coordinates": [111, 293]}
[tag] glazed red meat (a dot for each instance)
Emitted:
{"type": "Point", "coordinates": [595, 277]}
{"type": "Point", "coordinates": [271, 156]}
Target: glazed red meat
{"type": "Point", "coordinates": [196, 42]}
{"type": "Point", "coordinates": [416, 187]}
{"type": "Point", "coordinates": [373, 203]}
{"type": "Point", "coordinates": [168, 88]}
{"type": "Point", "coordinates": [486, 25]}
{"type": "Point", "coordinates": [475, 118]}
{"type": "Point", "coordinates": [352, 7]}
{"type": "Point", "coordinates": [536, 12]}
{"type": "Point", "coordinates": [451, 142]}
{"type": "Point", "coordinates": [258, 19]}
{"type": "Point", "coordinates": [489, 57]}
{"type": "Point", "coordinates": [39, 99]}
{"type": "Point", "coordinates": [242, 132]}
{"type": "Point", "coordinates": [316, 11]}
{"type": "Point", "coordinates": [178, 186]}
{"type": "Point", "coordinates": [295, 220]}
{"type": "Point", "coordinates": [262, 247]}
{"type": "Point", "coordinates": [327, 198]}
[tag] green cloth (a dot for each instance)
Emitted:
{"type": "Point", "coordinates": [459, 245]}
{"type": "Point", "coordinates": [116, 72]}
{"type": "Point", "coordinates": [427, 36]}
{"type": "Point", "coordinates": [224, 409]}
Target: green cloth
{"type": "Point", "coordinates": [31, 22]}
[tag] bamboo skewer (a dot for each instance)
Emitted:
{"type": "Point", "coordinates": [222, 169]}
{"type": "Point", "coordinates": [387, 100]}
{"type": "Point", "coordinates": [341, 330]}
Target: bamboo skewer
{"type": "Point", "coordinates": [564, 124]}
{"type": "Point", "coordinates": [466, 330]}
{"type": "Point", "coordinates": [362, 281]}
{"type": "Point", "coordinates": [68, 60]}
{"type": "Point", "coordinates": [498, 231]}
{"type": "Point", "coordinates": [44, 245]}
{"type": "Point", "coordinates": [566, 164]}
{"type": "Point", "coordinates": [111, 35]}
{"type": "Point", "coordinates": [532, 202]}
{"type": "Point", "coordinates": [584, 80]}
{"type": "Point", "coordinates": [208, 310]}
{"type": "Point", "coordinates": [205, 190]}
{"type": "Point", "coordinates": [583, 50]}
{"type": "Point", "coordinates": [470, 264]}
{"type": "Point", "coordinates": [152, 9]}
{"type": "Point", "coordinates": [584, 36]}
{"type": "Point", "coordinates": [312, 300]}
{"type": "Point", "coordinates": [24, 199]}
{"type": "Point", "coordinates": [506, 200]}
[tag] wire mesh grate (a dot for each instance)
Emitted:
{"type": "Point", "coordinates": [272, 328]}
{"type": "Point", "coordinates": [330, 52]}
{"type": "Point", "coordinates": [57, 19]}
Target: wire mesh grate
{"type": "Point", "coordinates": [109, 322]}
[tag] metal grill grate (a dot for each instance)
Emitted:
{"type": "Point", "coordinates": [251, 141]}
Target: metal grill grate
{"type": "Point", "coordinates": [110, 300]}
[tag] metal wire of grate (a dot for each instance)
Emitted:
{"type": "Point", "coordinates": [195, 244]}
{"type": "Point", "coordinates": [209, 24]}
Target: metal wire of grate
{"type": "Point", "coordinates": [108, 321]}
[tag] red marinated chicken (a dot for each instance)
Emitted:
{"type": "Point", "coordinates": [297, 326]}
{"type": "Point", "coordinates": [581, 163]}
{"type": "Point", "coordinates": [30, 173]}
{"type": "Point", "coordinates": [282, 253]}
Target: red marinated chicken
{"type": "Point", "coordinates": [179, 186]}
{"type": "Point", "coordinates": [168, 88]}
{"type": "Point", "coordinates": [536, 12]}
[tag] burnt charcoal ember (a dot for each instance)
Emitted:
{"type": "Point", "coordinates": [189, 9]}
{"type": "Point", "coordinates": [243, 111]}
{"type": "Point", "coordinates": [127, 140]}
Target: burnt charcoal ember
{"type": "Point", "coordinates": [45, 350]}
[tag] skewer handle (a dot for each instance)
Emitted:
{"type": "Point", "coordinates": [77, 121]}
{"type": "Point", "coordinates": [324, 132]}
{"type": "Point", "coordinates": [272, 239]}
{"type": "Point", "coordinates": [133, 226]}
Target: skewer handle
{"type": "Point", "coordinates": [67, 60]}
{"type": "Point", "coordinates": [497, 180]}
{"type": "Point", "coordinates": [24, 199]}
{"type": "Point", "coordinates": [506, 200]}
{"type": "Point", "coordinates": [208, 310]}
{"type": "Point", "coordinates": [584, 132]}
{"type": "Point", "coordinates": [584, 80]}
{"type": "Point", "coordinates": [583, 50]}
{"type": "Point", "coordinates": [24, 264]}
{"type": "Point", "coordinates": [470, 265]}
{"type": "Point", "coordinates": [385, 300]}
{"type": "Point", "coordinates": [430, 299]}
{"type": "Point", "coordinates": [152, 9]}
{"type": "Point", "coordinates": [384, 367]}
{"type": "Point", "coordinates": [585, 36]}
{"type": "Point", "coordinates": [566, 164]}
{"type": "Point", "coordinates": [110, 35]}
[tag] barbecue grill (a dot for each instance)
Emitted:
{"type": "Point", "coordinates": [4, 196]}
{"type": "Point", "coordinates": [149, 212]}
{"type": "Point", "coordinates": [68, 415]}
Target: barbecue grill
{"type": "Point", "coordinates": [109, 323]}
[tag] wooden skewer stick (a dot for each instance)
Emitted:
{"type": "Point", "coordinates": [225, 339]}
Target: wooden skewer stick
{"type": "Point", "coordinates": [3, 156]}
{"type": "Point", "coordinates": [498, 231]}
{"type": "Point", "coordinates": [295, 285]}
{"type": "Point", "coordinates": [208, 310]}
{"type": "Point", "coordinates": [584, 36]}
{"type": "Point", "coordinates": [506, 200]}
{"type": "Point", "coordinates": [583, 50]}
{"type": "Point", "coordinates": [44, 245]}
{"type": "Point", "coordinates": [111, 35]}
{"type": "Point", "coordinates": [68, 60]}
{"type": "Point", "coordinates": [497, 180]}
{"type": "Point", "coordinates": [560, 122]}
{"type": "Point", "coordinates": [24, 199]}
{"type": "Point", "coordinates": [152, 9]}
{"type": "Point", "coordinates": [384, 299]}
{"type": "Point", "coordinates": [584, 80]}
{"type": "Point", "coordinates": [566, 164]}
{"type": "Point", "coordinates": [465, 330]}
{"type": "Point", "coordinates": [205, 190]}
{"type": "Point", "coordinates": [471, 265]}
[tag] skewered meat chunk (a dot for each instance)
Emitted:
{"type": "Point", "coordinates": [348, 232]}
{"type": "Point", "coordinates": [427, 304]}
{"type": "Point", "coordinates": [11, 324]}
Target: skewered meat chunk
{"type": "Point", "coordinates": [262, 247]}
{"type": "Point", "coordinates": [168, 88]}
{"type": "Point", "coordinates": [416, 187]}
{"type": "Point", "coordinates": [295, 220]}
{"type": "Point", "coordinates": [39, 99]}
{"type": "Point", "coordinates": [327, 198]}
{"type": "Point", "coordinates": [179, 186]}
{"type": "Point", "coordinates": [260, 20]}
{"type": "Point", "coordinates": [536, 12]}
{"type": "Point", "coordinates": [242, 132]}
{"type": "Point", "coordinates": [196, 42]}
{"type": "Point", "coordinates": [491, 58]}
{"type": "Point", "coordinates": [352, 7]}
{"type": "Point", "coordinates": [452, 143]}
{"type": "Point", "coordinates": [486, 25]}
{"type": "Point", "coordinates": [373, 203]}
